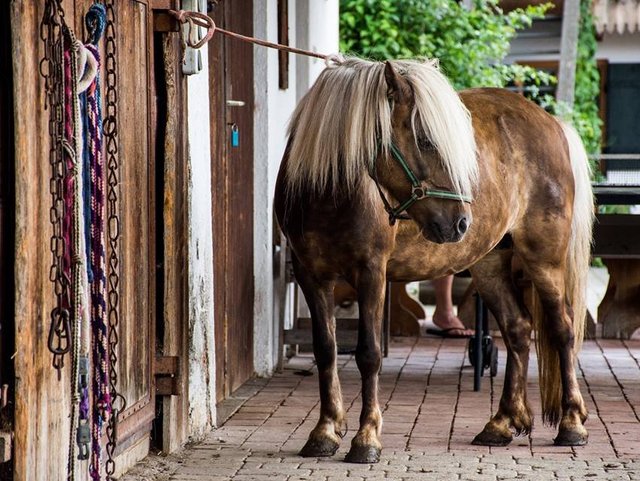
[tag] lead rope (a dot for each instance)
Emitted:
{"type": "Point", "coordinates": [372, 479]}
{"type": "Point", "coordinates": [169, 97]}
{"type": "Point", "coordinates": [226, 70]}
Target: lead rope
{"type": "Point", "coordinates": [72, 194]}
{"type": "Point", "coordinates": [68, 68]}
{"type": "Point", "coordinates": [95, 21]}
{"type": "Point", "coordinates": [102, 400]}
{"type": "Point", "coordinates": [197, 19]}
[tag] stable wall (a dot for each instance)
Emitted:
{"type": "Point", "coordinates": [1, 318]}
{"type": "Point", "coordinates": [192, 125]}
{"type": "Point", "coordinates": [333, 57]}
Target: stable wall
{"type": "Point", "coordinates": [313, 25]}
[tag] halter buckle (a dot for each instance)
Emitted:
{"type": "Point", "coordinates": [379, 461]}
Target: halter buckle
{"type": "Point", "coordinates": [419, 191]}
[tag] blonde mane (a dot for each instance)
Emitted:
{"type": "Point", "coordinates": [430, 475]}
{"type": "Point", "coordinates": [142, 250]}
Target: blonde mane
{"type": "Point", "coordinates": [340, 124]}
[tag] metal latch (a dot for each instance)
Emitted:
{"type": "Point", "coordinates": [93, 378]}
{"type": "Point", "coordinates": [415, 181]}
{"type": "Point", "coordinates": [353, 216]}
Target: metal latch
{"type": "Point", "coordinates": [192, 58]}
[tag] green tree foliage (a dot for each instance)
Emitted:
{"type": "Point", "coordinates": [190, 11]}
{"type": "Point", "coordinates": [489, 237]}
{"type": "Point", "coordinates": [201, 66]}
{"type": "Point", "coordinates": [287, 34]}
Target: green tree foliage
{"type": "Point", "coordinates": [587, 89]}
{"type": "Point", "coordinates": [471, 45]}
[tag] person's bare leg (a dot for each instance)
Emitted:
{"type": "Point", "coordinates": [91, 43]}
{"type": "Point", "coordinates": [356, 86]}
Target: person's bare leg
{"type": "Point", "coordinates": [444, 317]}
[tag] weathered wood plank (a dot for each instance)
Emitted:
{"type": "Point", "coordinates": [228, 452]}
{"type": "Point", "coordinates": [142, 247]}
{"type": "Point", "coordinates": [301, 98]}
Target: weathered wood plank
{"type": "Point", "coordinates": [42, 402]}
{"type": "Point", "coordinates": [239, 218]}
{"type": "Point", "coordinates": [174, 408]}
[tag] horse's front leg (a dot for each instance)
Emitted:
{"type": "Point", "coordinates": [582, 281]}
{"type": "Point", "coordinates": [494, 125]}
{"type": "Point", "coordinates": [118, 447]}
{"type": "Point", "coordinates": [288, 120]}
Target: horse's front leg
{"type": "Point", "coordinates": [370, 283]}
{"type": "Point", "coordinates": [324, 439]}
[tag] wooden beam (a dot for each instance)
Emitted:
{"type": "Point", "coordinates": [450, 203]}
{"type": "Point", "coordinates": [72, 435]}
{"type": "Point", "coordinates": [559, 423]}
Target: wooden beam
{"type": "Point", "coordinates": [283, 39]}
{"type": "Point", "coordinates": [568, 51]}
{"type": "Point", "coordinates": [172, 92]}
{"type": "Point", "coordinates": [165, 4]}
{"type": "Point", "coordinates": [163, 22]}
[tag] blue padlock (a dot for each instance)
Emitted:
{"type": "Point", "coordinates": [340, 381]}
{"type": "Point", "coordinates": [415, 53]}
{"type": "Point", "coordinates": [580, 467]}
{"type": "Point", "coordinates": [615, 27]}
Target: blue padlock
{"type": "Point", "coordinates": [235, 136]}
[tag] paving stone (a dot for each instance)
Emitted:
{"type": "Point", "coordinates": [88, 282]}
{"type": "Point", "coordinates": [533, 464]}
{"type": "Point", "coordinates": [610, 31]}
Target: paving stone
{"type": "Point", "coordinates": [425, 437]}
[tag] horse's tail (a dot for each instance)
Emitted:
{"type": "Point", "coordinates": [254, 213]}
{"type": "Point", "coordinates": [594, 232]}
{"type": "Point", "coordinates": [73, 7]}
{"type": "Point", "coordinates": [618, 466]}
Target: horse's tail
{"type": "Point", "coordinates": [577, 268]}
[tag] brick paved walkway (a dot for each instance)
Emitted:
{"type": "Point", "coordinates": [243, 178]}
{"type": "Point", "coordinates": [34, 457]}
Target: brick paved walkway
{"type": "Point", "coordinates": [431, 413]}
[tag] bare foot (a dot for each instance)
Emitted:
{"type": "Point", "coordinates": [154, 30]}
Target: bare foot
{"type": "Point", "coordinates": [449, 321]}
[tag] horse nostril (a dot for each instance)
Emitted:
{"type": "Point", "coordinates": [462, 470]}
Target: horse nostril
{"type": "Point", "coordinates": [462, 225]}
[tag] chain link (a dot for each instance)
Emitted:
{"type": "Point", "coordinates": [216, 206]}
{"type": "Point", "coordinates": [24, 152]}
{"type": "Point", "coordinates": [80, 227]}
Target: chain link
{"type": "Point", "coordinates": [110, 127]}
{"type": "Point", "coordinates": [52, 31]}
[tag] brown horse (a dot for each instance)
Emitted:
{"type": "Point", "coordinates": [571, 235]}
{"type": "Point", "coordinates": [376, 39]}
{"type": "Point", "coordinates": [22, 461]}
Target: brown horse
{"type": "Point", "coordinates": [479, 178]}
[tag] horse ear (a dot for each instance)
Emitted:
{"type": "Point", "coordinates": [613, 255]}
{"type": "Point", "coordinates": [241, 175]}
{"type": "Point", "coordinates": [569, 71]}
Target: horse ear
{"type": "Point", "coordinates": [398, 88]}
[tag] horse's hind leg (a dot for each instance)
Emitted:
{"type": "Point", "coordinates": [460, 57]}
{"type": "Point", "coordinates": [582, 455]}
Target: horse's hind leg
{"type": "Point", "coordinates": [324, 439]}
{"type": "Point", "coordinates": [370, 283]}
{"type": "Point", "coordinates": [492, 278]}
{"type": "Point", "coordinates": [562, 400]}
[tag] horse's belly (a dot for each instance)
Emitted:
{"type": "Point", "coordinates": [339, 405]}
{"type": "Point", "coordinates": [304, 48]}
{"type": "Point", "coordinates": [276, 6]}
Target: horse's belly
{"type": "Point", "coordinates": [414, 258]}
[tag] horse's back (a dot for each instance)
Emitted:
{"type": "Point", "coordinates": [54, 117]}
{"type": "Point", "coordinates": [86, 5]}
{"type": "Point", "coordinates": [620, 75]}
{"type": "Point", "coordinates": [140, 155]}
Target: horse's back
{"type": "Point", "coordinates": [515, 129]}
{"type": "Point", "coordinates": [523, 149]}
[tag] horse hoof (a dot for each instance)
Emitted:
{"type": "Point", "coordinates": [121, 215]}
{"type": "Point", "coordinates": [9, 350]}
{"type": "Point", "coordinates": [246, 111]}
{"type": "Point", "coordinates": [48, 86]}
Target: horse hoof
{"type": "Point", "coordinates": [363, 455]}
{"type": "Point", "coordinates": [317, 448]}
{"type": "Point", "coordinates": [492, 437]}
{"type": "Point", "coordinates": [571, 438]}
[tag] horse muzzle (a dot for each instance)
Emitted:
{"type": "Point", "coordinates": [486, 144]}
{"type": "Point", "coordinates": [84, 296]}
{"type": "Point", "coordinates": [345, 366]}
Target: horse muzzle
{"type": "Point", "coordinates": [440, 232]}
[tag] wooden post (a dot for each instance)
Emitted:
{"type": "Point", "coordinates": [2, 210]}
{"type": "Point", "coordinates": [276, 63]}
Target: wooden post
{"type": "Point", "coordinates": [568, 51]}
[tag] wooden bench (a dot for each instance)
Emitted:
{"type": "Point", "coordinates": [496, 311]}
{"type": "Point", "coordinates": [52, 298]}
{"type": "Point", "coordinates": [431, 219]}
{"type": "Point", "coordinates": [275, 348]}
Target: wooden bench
{"type": "Point", "coordinates": [617, 242]}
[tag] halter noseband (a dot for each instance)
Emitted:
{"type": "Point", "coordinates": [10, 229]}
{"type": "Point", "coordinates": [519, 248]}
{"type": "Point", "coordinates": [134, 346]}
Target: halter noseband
{"type": "Point", "coordinates": [419, 190]}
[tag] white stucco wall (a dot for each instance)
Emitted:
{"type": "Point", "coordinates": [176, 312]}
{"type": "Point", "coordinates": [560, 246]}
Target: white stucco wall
{"type": "Point", "coordinates": [620, 48]}
{"type": "Point", "coordinates": [202, 392]}
{"type": "Point", "coordinates": [313, 24]}
{"type": "Point", "coordinates": [322, 35]}
{"type": "Point", "coordinates": [613, 47]}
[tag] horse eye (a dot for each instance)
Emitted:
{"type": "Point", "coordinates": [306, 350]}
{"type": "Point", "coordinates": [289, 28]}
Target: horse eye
{"type": "Point", "coordinates": [424, 143]}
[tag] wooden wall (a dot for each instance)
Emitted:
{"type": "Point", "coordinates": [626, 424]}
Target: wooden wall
{"type": "Point", "coordinates": [42, 402]}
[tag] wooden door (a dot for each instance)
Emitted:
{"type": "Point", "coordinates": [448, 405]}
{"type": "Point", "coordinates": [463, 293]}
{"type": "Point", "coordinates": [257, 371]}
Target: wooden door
{"type": "Point", "coordinates": [136, 349]}
{"type": "Point", "coordinates": [7, 324]}
{"type": "Point", "coordinates": [6, 202]}
{"type": "Point", "coordinates": [42, 401]}
{"type": "Point", "coordinates": [231, 86]}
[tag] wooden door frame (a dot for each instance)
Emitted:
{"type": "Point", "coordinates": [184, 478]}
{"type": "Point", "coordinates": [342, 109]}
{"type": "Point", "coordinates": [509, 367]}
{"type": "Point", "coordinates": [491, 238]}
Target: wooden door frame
{"type": "Point", "coordinates": [172, 360]}
{"type": "Point", "coordinates": [134, 423]}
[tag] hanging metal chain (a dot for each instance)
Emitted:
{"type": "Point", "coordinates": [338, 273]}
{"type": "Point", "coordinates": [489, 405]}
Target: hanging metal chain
{"type": "Point", "coordinates": [52, 32]}
{"type": "Point", "coordinates": [110, 127]}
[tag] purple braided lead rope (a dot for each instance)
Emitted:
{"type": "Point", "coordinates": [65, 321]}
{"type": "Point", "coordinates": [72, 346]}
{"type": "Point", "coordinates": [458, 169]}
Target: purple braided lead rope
{"type": "Point", "coordinates": [100, 376]}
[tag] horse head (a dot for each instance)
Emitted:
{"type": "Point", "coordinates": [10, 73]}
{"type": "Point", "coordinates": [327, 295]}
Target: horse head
{"type": "Point", "coordinates": [413, 169]}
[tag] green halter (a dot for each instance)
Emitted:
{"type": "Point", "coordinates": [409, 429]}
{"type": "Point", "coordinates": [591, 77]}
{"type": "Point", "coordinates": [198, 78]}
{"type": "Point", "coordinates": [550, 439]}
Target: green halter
{"type": "Point", "coordinates": [419, 190]}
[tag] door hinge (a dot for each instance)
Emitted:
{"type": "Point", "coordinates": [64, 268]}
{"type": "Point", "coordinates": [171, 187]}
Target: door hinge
{"type": "Point", "coordinates": [167, 375]}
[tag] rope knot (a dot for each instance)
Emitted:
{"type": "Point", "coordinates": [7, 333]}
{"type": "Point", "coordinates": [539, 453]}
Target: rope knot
{"type": "Point", "coordinates": [96, 21]}
{"type": "Point", "coordinates": [333, 60]}
{"type": "Point", "coordinates": [194, 20]}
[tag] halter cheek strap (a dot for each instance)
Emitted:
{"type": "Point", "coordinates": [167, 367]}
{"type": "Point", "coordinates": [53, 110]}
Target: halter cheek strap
{"type": "Point", "coordinates": [419, 190]}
